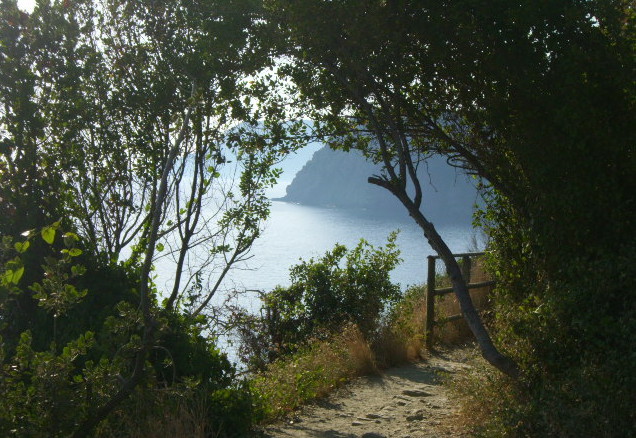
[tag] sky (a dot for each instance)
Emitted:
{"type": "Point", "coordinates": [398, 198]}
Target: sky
{"type": "Point", "coordinates": [26, 5]}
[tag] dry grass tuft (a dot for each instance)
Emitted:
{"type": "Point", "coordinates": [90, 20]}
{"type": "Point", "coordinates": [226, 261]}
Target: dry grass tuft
{"type": "Point", "coordinates": [457, 332]}
{"type": "Point", "coordinates": [312, 373]}
{"type": "Point", "coordinates": [160, 415]}
{"type": "Point", "coordinates": [361, 357]}
{"type": "Point", "coordinates": [401, 340]}
{"type": "Point", "coordinates": [184, 421]}
{"type": "Point", "coordinates": [483, 395]}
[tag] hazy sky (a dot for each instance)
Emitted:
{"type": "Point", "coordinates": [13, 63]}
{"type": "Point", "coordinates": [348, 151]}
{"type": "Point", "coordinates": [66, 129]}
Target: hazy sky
{"type": "Point", "coordinates": [26, 5]}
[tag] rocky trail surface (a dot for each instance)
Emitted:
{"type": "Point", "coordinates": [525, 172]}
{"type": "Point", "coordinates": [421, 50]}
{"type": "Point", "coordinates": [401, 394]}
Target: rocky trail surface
{"type": "Point", "coordinates": [411, 401]}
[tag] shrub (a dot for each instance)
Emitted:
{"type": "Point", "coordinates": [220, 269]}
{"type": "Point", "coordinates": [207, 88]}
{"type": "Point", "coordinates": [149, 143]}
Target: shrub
{"type": "Point", "coordinates": [566, 314]}
{"type": "Point", "coordinates": [339, 288]}
{"type": "Point", "coordinates": [84, 329]}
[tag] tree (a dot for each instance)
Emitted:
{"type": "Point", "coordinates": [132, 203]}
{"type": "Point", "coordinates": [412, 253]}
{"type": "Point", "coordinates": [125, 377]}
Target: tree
{"type": "Point", "coordinates": [536, 99]}
{"type": "Point", "coordinates": [130, 121]}
{"type": "Point", "coordinates": [362, 106]}
{"type": "Point", "coordinates": [473, 82]}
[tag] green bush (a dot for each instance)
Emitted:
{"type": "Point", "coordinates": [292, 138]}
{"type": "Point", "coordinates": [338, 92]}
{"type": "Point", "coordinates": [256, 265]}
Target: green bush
{"type": "Point", "coordinates": [344, 286]}
{"type": "Point", "coordinates": [84, 329]}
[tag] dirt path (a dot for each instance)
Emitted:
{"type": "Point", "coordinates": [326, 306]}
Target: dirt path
{"type": "Point", "coordinates": [405, 402]}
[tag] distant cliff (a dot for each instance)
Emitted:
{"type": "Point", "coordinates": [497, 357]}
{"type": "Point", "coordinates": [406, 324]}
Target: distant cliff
{"type": "Point", "coordinates": [339, 179]}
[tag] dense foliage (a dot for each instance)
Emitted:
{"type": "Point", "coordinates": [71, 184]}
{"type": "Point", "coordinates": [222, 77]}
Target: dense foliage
{"type": "Point", "coordinates": [343, 287]}
{"type": "Point", "coordinates": [126, 134]}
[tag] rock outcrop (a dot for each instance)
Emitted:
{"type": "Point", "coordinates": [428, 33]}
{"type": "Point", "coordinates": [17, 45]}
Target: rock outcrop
{"type": "Point", "coordinates": [339, 179]}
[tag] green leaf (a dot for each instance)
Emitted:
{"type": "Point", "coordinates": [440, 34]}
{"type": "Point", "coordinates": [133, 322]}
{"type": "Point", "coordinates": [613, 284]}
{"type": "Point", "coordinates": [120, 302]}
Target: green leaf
{"type": "Point", "coordinates": [17, 275]}
{"type": "Point", "coordinates": [22, 246]}
{"type": "Point", "coordinates": [70, 239]}
{"type": "Point", "coordinates": [74, 252]}
{"type": "Point", "coordinates": [78, 270]}
{"type": "Point", "coordinates": [160, 247]}
{"type": "Point", "coordinates": [48, 234]}
{"type": "Point", "coordinates": [7, 276]}
{"type": "Point", "coordinates": [13, 277]}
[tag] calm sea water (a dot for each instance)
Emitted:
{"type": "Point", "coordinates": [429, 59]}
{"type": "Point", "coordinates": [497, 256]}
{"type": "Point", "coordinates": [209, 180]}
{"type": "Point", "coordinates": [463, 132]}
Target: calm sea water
{"type": "Point", "coordinates": [296, 232]}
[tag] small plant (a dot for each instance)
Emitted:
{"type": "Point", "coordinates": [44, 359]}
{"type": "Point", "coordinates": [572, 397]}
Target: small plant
{"type": "Point", "coordinates": [344, 286]}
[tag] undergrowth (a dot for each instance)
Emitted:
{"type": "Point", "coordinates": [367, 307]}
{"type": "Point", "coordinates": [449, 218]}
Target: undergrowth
{"type": "Point", "coordinates": [325, 364]}
{"type": "Point", "coordinates": [314, 371]}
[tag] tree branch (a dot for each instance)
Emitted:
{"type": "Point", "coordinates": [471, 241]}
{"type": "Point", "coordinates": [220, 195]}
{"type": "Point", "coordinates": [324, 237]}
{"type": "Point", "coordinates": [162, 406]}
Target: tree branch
{"type": "Point", "coordinates": [149, 323]}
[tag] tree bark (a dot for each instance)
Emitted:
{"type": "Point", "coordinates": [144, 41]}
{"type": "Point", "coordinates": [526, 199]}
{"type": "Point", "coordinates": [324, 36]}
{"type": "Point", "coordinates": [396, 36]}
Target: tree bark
{"type": "Point", "coordinates": [488, 349]}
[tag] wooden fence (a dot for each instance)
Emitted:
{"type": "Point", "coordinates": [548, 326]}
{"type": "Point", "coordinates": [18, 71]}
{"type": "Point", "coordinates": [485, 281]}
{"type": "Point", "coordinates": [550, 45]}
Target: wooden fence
{"type": "Point", "coordinates": [468, 265]}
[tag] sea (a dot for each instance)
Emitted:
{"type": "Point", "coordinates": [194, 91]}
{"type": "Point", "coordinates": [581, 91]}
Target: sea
{"type": "Point", "coordinates": [295, 233]}
{"type": "Point", "coordinates": [299, 232]}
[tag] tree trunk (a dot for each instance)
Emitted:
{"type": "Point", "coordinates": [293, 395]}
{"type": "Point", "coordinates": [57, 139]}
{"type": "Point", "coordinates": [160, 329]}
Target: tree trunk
{"type": "Point", "coordinates": [488, 349]}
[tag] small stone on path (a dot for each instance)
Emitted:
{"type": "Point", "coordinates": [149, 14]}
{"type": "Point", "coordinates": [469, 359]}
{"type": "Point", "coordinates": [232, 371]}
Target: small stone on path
{"type": "Point", "coordinates": [415, 393]}
{"type": "Point", "coordinates": [439, 369]}
{"type": "Point", "coordinates": [373, 416]}
{"type": "Point", "coordinates": [415, 416]}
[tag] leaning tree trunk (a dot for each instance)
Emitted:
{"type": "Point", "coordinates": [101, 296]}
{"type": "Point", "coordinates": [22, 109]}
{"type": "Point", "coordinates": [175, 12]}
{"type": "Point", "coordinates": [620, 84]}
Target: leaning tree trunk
{"type": "Point", "coordinates": [488, 349]}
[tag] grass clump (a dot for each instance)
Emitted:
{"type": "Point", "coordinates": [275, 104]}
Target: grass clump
{"type": "Point", "coordinates": [401, 336]}
{"type": "Point", "coordinates": [314, 371]}
{"type": "Point", "coordinates": [485, 399]}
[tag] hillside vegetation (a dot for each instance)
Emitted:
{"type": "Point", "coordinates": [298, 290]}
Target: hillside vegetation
{"type": "Point", "coordinates": [338, 179]}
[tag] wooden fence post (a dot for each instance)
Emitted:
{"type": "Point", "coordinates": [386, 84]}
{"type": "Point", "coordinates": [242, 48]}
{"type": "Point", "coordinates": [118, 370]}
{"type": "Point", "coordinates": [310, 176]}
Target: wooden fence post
{"type": "Point", "coordinates": [466, 266]}
{"type": "Point", "coordinates": [430, 302]}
